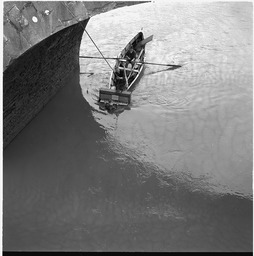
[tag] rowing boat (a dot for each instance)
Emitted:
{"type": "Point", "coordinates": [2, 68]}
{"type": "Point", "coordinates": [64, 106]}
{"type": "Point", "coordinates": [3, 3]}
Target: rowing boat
{"type": "Point", "coordinates": [125, 73]}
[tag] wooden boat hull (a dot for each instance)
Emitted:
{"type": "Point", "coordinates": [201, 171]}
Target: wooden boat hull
{"type": "Point", "coordinates": [111, 94]}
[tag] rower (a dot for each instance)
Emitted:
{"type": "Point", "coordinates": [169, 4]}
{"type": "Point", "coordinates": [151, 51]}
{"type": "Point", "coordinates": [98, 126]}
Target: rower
{"type": "Point", "coordinates": [130, 56]}
{"type": "Point", "coordinates": [121, 78]}
{"type": "Point", "coordinates": [138, 46]}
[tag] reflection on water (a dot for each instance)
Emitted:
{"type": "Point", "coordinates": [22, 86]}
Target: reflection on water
{"type": "Point", "coordinates": [196, 117]}
{"type": "Point", "coordinates": [171, 173]}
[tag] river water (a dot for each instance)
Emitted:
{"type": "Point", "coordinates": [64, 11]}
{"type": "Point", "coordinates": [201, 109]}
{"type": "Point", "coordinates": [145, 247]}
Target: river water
{"type": "Point", "coordinates": [173, 172]}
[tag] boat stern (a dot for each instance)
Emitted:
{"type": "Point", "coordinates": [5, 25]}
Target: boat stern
{"type": "Point", "coordinates": [109, 95]}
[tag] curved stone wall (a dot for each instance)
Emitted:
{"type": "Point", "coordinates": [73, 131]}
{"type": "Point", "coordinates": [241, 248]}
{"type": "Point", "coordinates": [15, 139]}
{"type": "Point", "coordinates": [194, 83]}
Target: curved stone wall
{"type": "Point", "coordinates": [28, 23]}
{"type": "Point", "coordinates": [41, 48]}
{"type": "Point", "coordinates": [34, 78]}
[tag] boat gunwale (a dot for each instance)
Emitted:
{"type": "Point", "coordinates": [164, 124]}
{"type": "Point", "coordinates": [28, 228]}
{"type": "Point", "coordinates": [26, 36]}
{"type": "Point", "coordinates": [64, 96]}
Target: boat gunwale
{"type": "Point", "coordinates": [122, 54]}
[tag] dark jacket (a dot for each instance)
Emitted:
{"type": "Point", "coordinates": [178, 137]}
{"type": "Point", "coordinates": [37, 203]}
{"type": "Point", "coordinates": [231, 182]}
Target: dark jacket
{"type": "Point", "coordinates": [120, 80]}
{"type": "Point", "coordinates": [131, 55]}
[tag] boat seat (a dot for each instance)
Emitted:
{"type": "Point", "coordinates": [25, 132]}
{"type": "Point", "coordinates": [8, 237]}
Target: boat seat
{"type": "Point", "coordinates": [129, 69]}
{"type": "Point", "coordinates": [137, 63]}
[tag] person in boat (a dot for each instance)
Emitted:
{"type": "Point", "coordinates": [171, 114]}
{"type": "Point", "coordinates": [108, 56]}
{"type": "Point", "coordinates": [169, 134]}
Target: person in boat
{"type": "Point", "coordinates": [138, 46]}
{"type": "Point", "coordinates": [130, 56]}
{"type": "Point", "coordinates": [121, 78]}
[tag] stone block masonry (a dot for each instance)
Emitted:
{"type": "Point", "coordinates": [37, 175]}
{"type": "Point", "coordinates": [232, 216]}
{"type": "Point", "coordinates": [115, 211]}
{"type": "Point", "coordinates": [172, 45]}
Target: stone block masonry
{"type": "Point", "coordinates": [27, 23]}
{"type": "Point", "coordinates": [33, 78]}
{"type": "Point", "coordinates": [41, 44]}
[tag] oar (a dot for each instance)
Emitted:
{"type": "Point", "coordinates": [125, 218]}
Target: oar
{"type": "Point", "coordinates": [142, 62]}
{"type": "Point", "coordinates": [145, 41]}
{"type": "Point", "coordinates": [160, 64]}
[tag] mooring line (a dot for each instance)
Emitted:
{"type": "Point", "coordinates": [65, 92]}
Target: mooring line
{"type": "Point", "coordinates": [98, 49]}
{"type": "Point", "coordinates": [87, 34]}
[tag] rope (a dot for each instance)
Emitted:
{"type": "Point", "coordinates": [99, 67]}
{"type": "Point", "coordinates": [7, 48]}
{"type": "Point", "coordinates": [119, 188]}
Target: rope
{"type": "Point", "coordinates": [87, 34]}
{"type": "Point", "coordinates": [98, 49]}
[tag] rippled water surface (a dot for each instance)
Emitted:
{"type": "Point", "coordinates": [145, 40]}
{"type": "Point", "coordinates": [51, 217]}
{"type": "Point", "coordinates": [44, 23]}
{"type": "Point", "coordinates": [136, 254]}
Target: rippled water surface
{"type": "Point", "coordinates": [173, 172]}
{"type": "Point", "coordinates": [196, 119]}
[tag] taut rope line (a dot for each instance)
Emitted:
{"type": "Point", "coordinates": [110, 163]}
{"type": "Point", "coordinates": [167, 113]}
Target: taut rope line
{"type": "Point", "coordinates": [87, 34]}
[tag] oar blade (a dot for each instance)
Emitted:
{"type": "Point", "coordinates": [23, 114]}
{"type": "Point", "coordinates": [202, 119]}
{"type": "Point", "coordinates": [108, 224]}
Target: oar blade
{"type": "Point", "coordinates": [145, 41]}
{"type": "Point", "coordinates": [174, 66]}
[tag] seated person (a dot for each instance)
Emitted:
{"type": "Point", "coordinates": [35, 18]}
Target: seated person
{"type": "Point", "coordinates": [120, 76]}
{"type": "Point", "coordinates": [138, 46]}
{"type": "Point", "coordinates": [130, 56]}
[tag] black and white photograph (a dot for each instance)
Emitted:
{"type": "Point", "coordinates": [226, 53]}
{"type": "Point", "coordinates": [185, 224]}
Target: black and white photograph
{"type": "Point", "coordinates": [127, 126]}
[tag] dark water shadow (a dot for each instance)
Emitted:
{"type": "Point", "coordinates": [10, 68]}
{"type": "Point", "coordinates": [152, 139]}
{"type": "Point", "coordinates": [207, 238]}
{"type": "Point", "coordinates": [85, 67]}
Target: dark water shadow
{"type": "Point", "coordinates": [63, 183]}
